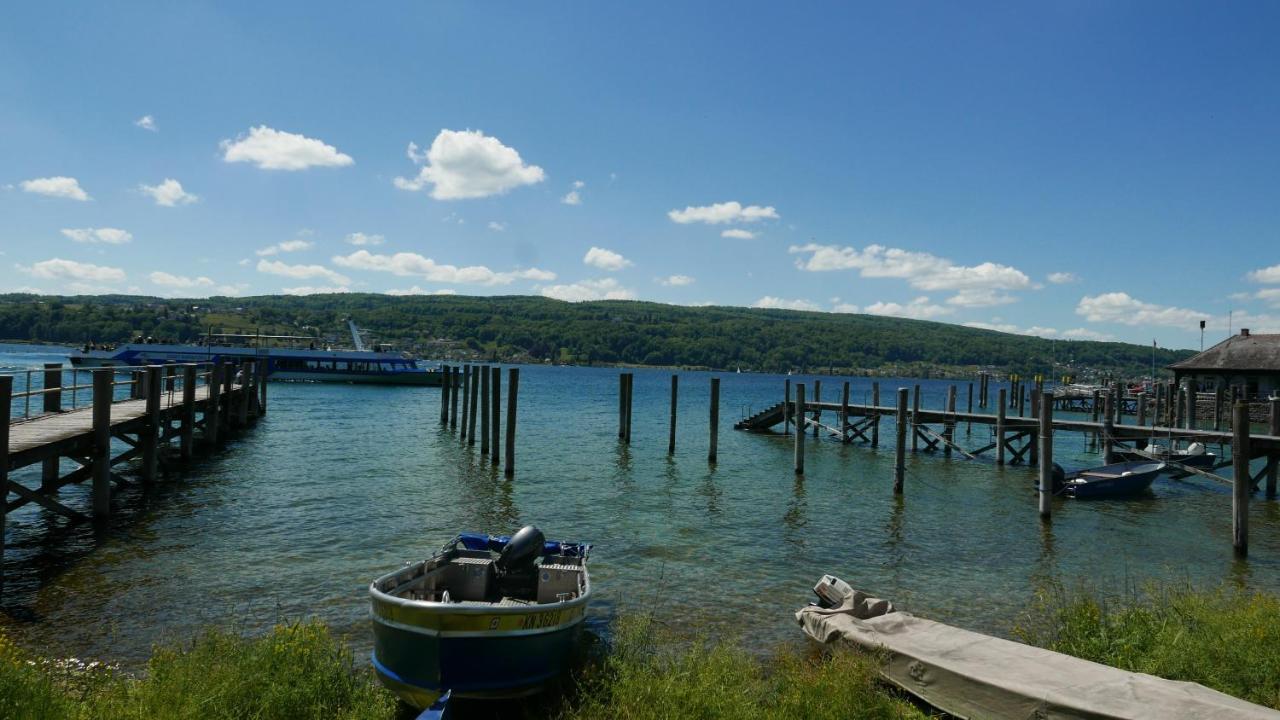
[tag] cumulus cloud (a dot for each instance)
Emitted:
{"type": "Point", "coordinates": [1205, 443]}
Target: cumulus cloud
{"type": "Point", "coordinates": [738, 234]}
{"type": "Point", "coordinates": [301, 272]}
{"type": "Point", "coordinates": [287, 246]}
{"type": "Point", "coordinates": [1063, 278]}
{"type": "Point", "coordinates": [272, 149]}
{"type": "Point", "coordinates": [107, 236]}
{"type": "Point", "coordinates": [314, 290]}
{"type": "Point", "coordinates": [571, 198]}
{"type": "Point", "coordinates": [777, 303]}
{"type": "Point", "coordinates": [462, 164]}
{"type": "Point", "coordinates": [165, 279]}
{"type": "Point", "coordinates": [413, 264]}
{"type": "Point", "coordinates": [605, 259]}
{"type": "Point", "coordinates": [1266, 275]}
{"type": "Point", "coordinates": [1120, 307]}
{"type": "Point", "coordinates": [722, 213]}
{"type": "Point", "coordinates": [603, 289]}
{"type": "Point", "coordinates": [496, 226]}
{"type": "Point", "coordinates": [168, 193]}
{"type": "Point", "coordinates": [146, 122]}
{"type": "Point", "coordinates": [980, 298]}
{"type": "Point", "coordinates": [59, 269]}
{"type": "Point", "coordinates": [1035, 330]}
{"type": "Point", "coordinates": [359, 238]}
{"type": "Point", "coordinates": [918, 309]}
{"type": "Point", "coordinates": [58, 186]}
{"type": "Point", "coordinates": [676, 280]}
{"type": "Point", "coordinates": [1086, 334]}
{"type": "Point", "coordinates": [415, 290]}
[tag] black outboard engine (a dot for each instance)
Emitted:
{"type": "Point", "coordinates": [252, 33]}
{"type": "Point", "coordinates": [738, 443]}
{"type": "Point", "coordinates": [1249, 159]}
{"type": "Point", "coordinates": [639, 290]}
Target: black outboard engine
{"type": "Point", "coordinates": [516, 569]}
{"type": "Point", "coordinates": [1059, 477]}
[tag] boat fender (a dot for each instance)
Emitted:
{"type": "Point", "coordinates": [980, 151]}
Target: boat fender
{"type": "Point", "coordinates": [521, 550]}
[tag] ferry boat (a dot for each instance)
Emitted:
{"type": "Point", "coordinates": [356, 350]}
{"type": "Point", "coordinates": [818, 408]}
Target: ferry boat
{"type": "Point", "coordinates": [289, 357]}
{"type": "Point", "coordinates": [484, 617]}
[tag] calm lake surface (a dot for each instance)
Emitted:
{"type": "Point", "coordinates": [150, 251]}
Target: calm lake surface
{"type": "Point", "coordinates": [339, 483]}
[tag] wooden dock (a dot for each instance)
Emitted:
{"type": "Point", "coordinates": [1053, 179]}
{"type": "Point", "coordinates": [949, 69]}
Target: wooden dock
{"type": "Point", "coordinates": [128, 414]}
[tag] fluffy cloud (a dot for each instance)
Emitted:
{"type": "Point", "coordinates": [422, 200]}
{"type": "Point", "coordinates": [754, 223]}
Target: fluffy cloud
{"type": "Point", "coordinates": [108, 236]}
{"type": "Point", "coordinates": [59, 269]}
{"type": "Point", "coordinates": [722, 213]}
{"type": "Point", "coordinates": [463, 164]}
{"type": "Point", "coordinates": [146, 122]}
{"type": "Point", "coordinates": [980, 298]}
{"type": "Point", "coordinates": [413, 264]}
{"type": "Point", "coordinates": [301, 272]}
{"type": "Point", "coordinates": [1035, 330]}
{"type": "Point", "coordinates": [359, 238]}
{"type": "Point", "coordinates": [1086, 334]}
{"type": "Point", "coordinates": [777, 303]}
{"type": "Point", "coordinates": [415, 290]}
{"type": "Point", "coordinates": [59, 186]}
{"type": "Point", "coordinates": [1266, 275]}
{"type": "Point", "coordinates": [603, 289]}
{"type": "Point", "coordinates": [165, 279]}
{"type": "Point", "coordinates": [272, 149]}
{"type": "Point", "coordinates": [1062, 278]}
{"type": "Point", "coordinates": [605, 259]}
{"type": "Point", "coordinates": [496, 226]}
{"type": "Point", "coordinates": [312, 290]}
{"type": "Point", "coordinates": [738, 234]}
{"type": "Point", "coordinates": [288, 246]}
{"type": "Point", "coordinates": [168, 193]}
{"type": "Point", "coordinates": [1119, 307]}
{"type": "Point", "coordinates": [918, 309]}
{"type": "Point", "coordinates": [571, 198]}
{"type": "Point", "coordinates": [676, 280]}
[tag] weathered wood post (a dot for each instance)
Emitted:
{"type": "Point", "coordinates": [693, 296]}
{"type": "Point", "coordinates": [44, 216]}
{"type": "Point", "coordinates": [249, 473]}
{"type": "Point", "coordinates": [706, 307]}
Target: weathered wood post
{"type": "Point", "coordinates": [1217, 404]}
{"type": "Point", "coordinates": [900, 453]}
{"type": "Point", "coordinates": [875, 423]}
{"type": "Point", "coordinates": [844, 413]}
{"type": "Point", "coordinates": [103, 391]}
{"type": "Point", "coordinates": [212, 415]}
{"type": "Point", "coordinates": [1193, 405]}
{"type": "Point", "coordinates": [631, 394]}
{"type": "Point", "coordinates": [242, 400]}
{"type": "Point", "coordinates": [52, 387]}
{"type": "Point", "coordinates": [1142, 409]}
{"type": "Point", "coordinates": [1022, 400]}
{"type": "Point", "coordinates": [1108, 431]}
{"type": "Point", "coordinates": [187, 443]}
{"type": "Point", "coordinates": [1241, 482]}
{"type": "Point", "coordinates": [786, 408]}
{"type": "Point", "coordinates": [444, 394]}
{"type": "Point", "coordinates": [468, 375]}
{"type": "Point", "coordinates": [1000, 413]}
{"type": "Point", "coordinates": [715, 420]}
{"type": "Point", "coordinates": [622, 405]}
{"type": "Point", "coordinates": [1273, 461]}
{"type": "Point", "coordinates": [1180, 406]}
{"type": "Point", "coordinates": [915, 420]}
{"type": "Point", "coordinates": [475, 398]}
{"type": "Point", "coordinates": [1157, 389]}
{"type": "Point", "coordinates": [1046, 454]}
{"type": "Point", "coordinates": [968, 427]}
{"type": "Point", "coordinates": [484, 410]}
{"type": "Point", "coordinates": [817, 409]}
{"type": "Point", "coordinates": [800, 429]}
{"type": "Point", "coordinates": [228, 381]}
{"type": "Point", "coordinates": [495, 384]}
{"type": "Point", "coordinates": [513, 389]}
{"type": "Point", "coordinates": [456, 381]}
{"type": "Point", "coordinates": [949, 428]}
{"type": "Point", "coordinates": [6, 405]}
{"type": "Point", "coordinates": [675, 391]}
{"type": "Point", "coordinates": [1034, 452]}
{"type": "Point", "coordinates": [150, 435]}
{"type": "Point", "coordinates": [261, 375]}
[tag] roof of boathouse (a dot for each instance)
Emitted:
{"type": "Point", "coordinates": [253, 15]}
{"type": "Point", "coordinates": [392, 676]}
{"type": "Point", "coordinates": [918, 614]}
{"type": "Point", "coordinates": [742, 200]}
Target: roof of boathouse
{"type": "Point", "coordinates": [1244, 352]}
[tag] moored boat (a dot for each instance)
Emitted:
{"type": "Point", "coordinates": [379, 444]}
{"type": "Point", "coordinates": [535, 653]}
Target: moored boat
{"type": "Point", "coordinates": [485, 617]}
{"type": "Point", "coordinates": [1195, 455]}
{"type": "Point", "coordinates": [1116, 480]}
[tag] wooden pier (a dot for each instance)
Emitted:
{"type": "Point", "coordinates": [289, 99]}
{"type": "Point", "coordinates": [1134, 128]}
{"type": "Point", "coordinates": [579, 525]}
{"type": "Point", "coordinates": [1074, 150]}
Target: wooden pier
{"type": "Point", "coordinates": [123, 414]}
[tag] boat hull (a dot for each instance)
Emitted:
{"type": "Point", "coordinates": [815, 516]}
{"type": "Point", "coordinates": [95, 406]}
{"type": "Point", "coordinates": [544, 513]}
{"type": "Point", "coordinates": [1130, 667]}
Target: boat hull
{"type": "Point", "coordinates": [1203, 460]}
{"type": "Point", "coordinates": [1110, 481]}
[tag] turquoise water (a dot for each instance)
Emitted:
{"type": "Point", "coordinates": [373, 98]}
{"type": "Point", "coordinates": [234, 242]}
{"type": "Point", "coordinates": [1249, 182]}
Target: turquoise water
{"type": "Point", "coordinates": [339, 483]}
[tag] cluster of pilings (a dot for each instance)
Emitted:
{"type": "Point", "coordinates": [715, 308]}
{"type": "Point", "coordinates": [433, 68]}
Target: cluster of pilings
{"type": "Point", "coordinates": [479, 389]}
{"type": "Point", "coordinates": [626, 388]}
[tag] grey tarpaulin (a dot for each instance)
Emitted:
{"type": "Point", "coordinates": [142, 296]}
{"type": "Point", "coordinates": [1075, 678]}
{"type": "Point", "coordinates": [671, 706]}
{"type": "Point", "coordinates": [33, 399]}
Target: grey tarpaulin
{"type": "Point", "coordinates": [978, 676]}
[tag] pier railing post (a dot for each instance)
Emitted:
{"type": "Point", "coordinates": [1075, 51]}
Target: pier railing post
{"type": "Point", "coordinates": [875, 423]}
{"type": "Point", "coordinates": [188, 411]}
{"type": "Point", "coordinates": [513, 389]}
{"type": "Point", "coordinates": [150, 435]}
{"type": "Point", "coordinates": [715, 421]}
{"type": "Point", "coordinates": [103, 391]}
{"type": "Point", "coordinates": [52, 403]}
{"type": "Point", "coordinates": [212, 417]}
{"type": "Point", "coordinates": [900, 451]}
{"type": "Point", "coordinates": [495, 387]}
{"type": "Point", "coordinates": [484, 411]}
{"type": "Point", "coordinates": [6, 405]}
{"type": "Point", "coordinates": [1001, 409]}
{"type": "Point", "coordinates": [444, 394]}
{"type": "Point", "coordinates": [1241, 482]}
{"type": "Point", "coordinates": [475, 397]}
{"type": "Point", "coordinates": [675, 391]}
{"type": "Point", "coordinates": [1046, 454]}
{"type": "Point", "coordinates": [800, 429]}
{"type": "Point", "coordinates": [1273, 461]}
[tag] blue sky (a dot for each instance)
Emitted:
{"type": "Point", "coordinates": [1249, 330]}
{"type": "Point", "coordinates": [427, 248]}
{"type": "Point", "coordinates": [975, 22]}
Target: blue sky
{"type": "Point", "coordinates": [1074, 169]}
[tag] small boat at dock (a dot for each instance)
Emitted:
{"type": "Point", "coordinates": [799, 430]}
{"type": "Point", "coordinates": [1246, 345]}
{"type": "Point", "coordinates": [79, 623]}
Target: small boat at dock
{"type": "Point", "coordinates": [1195, 455]}
{"type": "Point", "coordinates": [484, 617]}
{"type": "Point", "coordinates": [1109, 481]}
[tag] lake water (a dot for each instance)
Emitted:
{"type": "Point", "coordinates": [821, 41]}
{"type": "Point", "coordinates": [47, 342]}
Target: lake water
{"type": "Point", "coordinates": [339, 483]}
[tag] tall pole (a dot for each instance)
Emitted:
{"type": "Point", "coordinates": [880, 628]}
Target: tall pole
{"type": "Point", "coordinates": [800, 428]}
{"type": "Point", "coordinates": [675, 391]}
{"type": "Point", "coordinates": [1046, 454]}
{"type": "Point", "coordinates": [715, 420]}
{"type": "Point", "coordinates": [513, 389]}
{"type": "Point", "coordinates": [900, 453]}
{"type": "Point", "coordinates": [1241, 482]}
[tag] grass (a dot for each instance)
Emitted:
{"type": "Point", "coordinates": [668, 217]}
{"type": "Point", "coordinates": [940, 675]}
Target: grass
{"type": "Point", "coordinates": [1225, 639]}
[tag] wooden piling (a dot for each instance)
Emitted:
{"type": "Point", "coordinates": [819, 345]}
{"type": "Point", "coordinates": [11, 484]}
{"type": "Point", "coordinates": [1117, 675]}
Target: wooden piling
{"type": "Point", "coordinates": [475, 397]}
{"type": "Point", "coordinates": [622, 405]}
{"type": "Point", "coordinates": [468, 375]}
{"type": "Point", "coordinates": [715, 420]}
{"type": "Point", "coordinates": [800, 429]}
{"type": "Point", "coordinates": [212, 416]}
{"type": "Point", "coordinates": [187, 443]}
{"type": "Point", "coordinates": [1046, 454]}
{"type": "Point", "coordinates": [225, 409]}
{"type": "Point", "coordinates": [1217, 405]}
{"type": "Point", "coordinates": [103, 390]}
{"type": "Point", "coordinates": [786, 408]}
{"type": "Point", "coordinates": [1034, 452]}
{"type": "Point", "coordinates": [262, 386]}
{"type": "Point", "coordinates": [444, 394]}
{"type": "Point", "coordinates": [675, 392]}
{"type": "Point", "coordinates": [52, 387]}
{"type": "Point", "coordinates": [242, 400]}
{"type": "Point", "coordinates": [915, 420]}
{"type": "Point", "coordinates": [631, 395]}
{"type": "Point", "coordinates": [513, 389]}
{"type": "Point", "coordinates": [150, 439]}
{"type": "Point", "coordinates": [817, 413]}
{"type": "Point", "coordinates": [1142, 409]}
{"type": "Point", "coordinates": [1192, 405]}
{"type": "Point", "coordinates": [949, 428]}
{"type": "Point", "coordinates": [1241, 484]}
{"type": "Point", "coordinates": [875, 421]}
{"type": "Point", "coordinates": [900, 453]}
{"type": "Point", "coordinates": [1108, 432]}
{"type": "Point", "coordinates": [968, 428]}
{"type": "Point", "coordinates": [456, 381]}
{"type": "Point", "coordinates": [1273, 461]}
{"type": "Point", "coordinates": [844, 413]}
{"type": "Point", "coordinates": [484, 410]}
{"type": "Point", "coordinates": [1180, 406]}
{"type": "Point", "coordinates": [1022, 400]}
{"type": "Point", "coordinates": [1157, 417]}
{"type": "Point", "coordinates": [6, 407]}
{"type": "Point", "coordinates": [495, 387]}
{"type": "Point", "coordinates": [1000, 413]}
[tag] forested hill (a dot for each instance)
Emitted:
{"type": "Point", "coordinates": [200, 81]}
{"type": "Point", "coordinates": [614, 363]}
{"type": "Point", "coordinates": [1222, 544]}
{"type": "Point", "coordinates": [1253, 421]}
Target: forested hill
{"type": "Point", "coordinates": [539, 329]}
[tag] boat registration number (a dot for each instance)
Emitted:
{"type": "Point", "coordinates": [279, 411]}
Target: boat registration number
{"type": "Point", "coordinates": [541, 620]}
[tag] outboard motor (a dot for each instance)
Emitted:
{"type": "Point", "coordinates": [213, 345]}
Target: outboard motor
{"type": "Point", "coordinates": [1059, 477]}
{"type": "Point", "coordinates": [516, 568]}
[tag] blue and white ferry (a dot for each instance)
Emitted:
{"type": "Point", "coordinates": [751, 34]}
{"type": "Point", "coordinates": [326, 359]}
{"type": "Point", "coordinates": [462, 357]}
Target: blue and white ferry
{"type": "Point", "coordinates": [289, 357]}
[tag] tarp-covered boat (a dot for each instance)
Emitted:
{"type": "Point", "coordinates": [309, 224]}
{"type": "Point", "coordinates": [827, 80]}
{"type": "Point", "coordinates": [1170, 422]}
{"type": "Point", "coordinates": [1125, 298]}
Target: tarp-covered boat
{"type": "Point", "coordinates": [971, 675]}
{"type": "Point", "coordinates": [1116, 480]}
{"type": "Point", "coordinates": [483, 617]}
{"type": "Point", "coordinates": [1195, 455]}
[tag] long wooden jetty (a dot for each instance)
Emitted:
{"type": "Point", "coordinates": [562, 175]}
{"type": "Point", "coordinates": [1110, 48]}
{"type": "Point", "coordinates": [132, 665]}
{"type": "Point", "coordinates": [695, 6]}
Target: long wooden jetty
{"type": "Point", "coordinates": [121, 415]}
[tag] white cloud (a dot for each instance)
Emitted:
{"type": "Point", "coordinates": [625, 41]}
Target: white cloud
{"type": "Point", "coordinates": [1119, 307]}
{"type": "Point", "coordinates": [777, 303]}
{"type": "Point", "coordinates": [1266, 275]}
{"type": "Point", "coordinates": [146, 122]}
{"type": "Point", "coordinates": [1270, 296]}
{"type": "Point", "coordinates": [571, 198]}
{"type": "Point", "coordinates": [244, 262]}
{"type": "Point", "coordinates": [496, 226]}
{"type": "Point", "coordinates": [843, 307]}
{"type": "Point", "coordinates": [59, 269]}
{"type": "Point", "coordinates": [302, 272]}
{"type": "Point", "coordinates": [605, 259]}
{"type": "Point", "coordinates": [168, 193]}
{"type": "Point", "coordinates": [578, 184]}
{"type": "Point", "coordinates": [312, 290]}
{"type": "Point", "coordinates": [1086, 334]}
{"type": "Point", "coordinates": [1063, 278]}
{"type": "Point", "coordinates": [413, 264]}
{"type": "Point", "coordinates": [980, 298]}
{"type": "Point", "coordinates": [603, 289]}
{"type": "Point", "coordinates": [721, 213]}
{"type": "Point", "coordinates": [676, 280]}
{"type": "Point", "coordinates": [108, 236]}
{"type": "Point", "coordinates": [738, 234]}
{"type": "Point", "coordinates": [165, 279]}
{"type": "Point", "coordinates": [272, 149]}
{"type": "Point", "coordinates": [463, 164]}
{"type": "Point", "coordinates": [1034, 330]}
{"type": "Point", "coordinates": [918, 309]}
{"type": "Point", "coordinates": [58, 186]}
{"type": "Point", "coordinates": [359, 238]}
{"type": "Point", "coordinates": [287, 246]}
{"type": "Point", "coordinates": [415, 290]}
{"type": "Point", "coordinates": [233, 290]}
